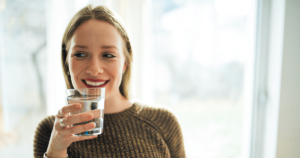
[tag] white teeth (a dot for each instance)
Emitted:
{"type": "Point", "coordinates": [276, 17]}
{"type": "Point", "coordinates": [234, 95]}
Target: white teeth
{"type": "Point", "coordinates": [94, 83]}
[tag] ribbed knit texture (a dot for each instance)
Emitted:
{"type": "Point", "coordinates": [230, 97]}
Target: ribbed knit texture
{"type": "Point", "coordinates": [137, 132]}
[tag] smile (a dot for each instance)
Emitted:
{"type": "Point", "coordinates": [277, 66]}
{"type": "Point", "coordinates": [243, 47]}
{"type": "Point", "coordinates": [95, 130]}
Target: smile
{"type": "Point", "coordinates": [94, 83]}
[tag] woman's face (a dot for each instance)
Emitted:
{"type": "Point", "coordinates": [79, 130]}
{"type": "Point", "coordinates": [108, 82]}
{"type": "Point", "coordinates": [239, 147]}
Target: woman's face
{"type": "Point", "coordinates": [96, 57]}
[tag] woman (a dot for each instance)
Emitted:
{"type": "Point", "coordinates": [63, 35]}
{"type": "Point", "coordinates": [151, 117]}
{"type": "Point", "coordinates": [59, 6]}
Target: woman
{"type": "Point", "coordinates": [96, 48]}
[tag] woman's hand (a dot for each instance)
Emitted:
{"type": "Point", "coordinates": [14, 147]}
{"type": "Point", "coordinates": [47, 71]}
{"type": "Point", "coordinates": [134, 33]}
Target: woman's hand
{"type": "Point", "coordinates": [62, 137]}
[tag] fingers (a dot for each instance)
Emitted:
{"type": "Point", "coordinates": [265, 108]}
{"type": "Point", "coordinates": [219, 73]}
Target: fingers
{"type": "Point", "coordinates": [83, 117]}
{"type": "Point", "coordinates": [69, 108]}
{"type": "Point", "coordinates": [96, 113]}
{"type": "Point", "coordinates": [81, 128]}
{"type": "Point", "coordinates": [58, 125]}
{"type": "Point", "coordinates": [77, 129]}
{"type": "Point", "coordinates": [76, 138]}
{"type": "Point", "coordinates": [62, 137]}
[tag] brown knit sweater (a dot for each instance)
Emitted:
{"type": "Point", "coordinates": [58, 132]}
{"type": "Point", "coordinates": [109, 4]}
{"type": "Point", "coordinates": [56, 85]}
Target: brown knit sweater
{"type": "Point", "coordinates": [137, 132]}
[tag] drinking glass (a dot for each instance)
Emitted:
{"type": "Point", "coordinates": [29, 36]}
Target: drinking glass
{"type": "Point", "coordinates": [92, 101]}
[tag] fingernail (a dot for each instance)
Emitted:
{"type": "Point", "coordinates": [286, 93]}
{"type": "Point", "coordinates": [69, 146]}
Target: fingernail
{"type": "Point", "coordinates": [89, 116]}
{"type": "Point", "coordinates": [77, 106]}
{"type": "Point", "coordinates": [92, 125]}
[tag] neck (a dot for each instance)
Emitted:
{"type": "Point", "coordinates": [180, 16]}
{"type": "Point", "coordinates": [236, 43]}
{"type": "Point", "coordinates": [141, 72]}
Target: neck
{"type": "Point", "coordinates": [116, 104]}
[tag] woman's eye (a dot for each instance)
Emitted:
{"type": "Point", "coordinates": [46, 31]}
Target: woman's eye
{"type": "Point", "coordinates": [79, 55]}
{"type": "Point", "coordinates": [108, 55]}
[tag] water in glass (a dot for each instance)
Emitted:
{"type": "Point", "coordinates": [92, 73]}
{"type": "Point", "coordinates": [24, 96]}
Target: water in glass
{"type": "Point", "coordinates": [91, 104]}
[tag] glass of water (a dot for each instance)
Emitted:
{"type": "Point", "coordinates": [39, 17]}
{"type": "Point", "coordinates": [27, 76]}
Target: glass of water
{"type": "Point", "coordinates": [92, 101]}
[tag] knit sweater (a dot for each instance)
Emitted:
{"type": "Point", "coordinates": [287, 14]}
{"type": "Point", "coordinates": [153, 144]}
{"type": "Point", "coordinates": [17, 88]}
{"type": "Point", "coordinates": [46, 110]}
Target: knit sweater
{"type": "Point", "coordinates": [140, 131]}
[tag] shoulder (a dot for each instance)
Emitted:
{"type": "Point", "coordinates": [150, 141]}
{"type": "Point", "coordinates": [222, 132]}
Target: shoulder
{"type": "Point", "coordinates": [161, 116]}
{"type": "Point", "coordinates": [164, 121]}
{"type": "Point", "coordinates": [42, 136]}
{"type": "Point", "coordinates": [151, 111]}
{"type": "Point", "coordinates": [45, 125]}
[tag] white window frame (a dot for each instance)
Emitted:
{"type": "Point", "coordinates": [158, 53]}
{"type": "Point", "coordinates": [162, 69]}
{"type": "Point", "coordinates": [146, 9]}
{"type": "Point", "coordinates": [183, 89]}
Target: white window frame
{"type": "Point", "coordinates": [275, 128]}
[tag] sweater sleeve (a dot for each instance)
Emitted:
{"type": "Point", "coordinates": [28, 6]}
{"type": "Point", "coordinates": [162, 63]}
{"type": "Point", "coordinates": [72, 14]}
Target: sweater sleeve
{"type": "Point", "coordinates": [169, 127]}
{"type": "Point", "coordinates": [42, 136]}
{"type": "Point", "coordinates": [172, 134]}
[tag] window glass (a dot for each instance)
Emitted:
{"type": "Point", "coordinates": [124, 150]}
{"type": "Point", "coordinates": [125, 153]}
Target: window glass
{"type": "Point", "coordinates": [22, 74]}
{"type": "Point", "coordinates": [201, 50]}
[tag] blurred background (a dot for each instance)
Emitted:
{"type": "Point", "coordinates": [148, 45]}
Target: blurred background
{"type": "Point", "coordinates": [228, 69]}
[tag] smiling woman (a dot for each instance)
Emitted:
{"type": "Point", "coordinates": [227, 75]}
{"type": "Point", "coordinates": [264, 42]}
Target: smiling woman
{"type": "Point", "coordinates": [96, 52]}
{"type": "Point", "coordinates": [96, 59]}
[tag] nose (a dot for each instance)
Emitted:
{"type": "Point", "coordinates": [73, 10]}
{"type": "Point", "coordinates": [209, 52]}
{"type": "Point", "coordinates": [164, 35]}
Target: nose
{"type": "Point", "coordinates": [95, 67]}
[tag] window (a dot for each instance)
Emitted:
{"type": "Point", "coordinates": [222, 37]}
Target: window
{"type": "Point", "coordinates": [22, 75]}
{"type": "Point", "coordinates": [201, 67]}
{"type": "Point", "coordinates": [202, 53]}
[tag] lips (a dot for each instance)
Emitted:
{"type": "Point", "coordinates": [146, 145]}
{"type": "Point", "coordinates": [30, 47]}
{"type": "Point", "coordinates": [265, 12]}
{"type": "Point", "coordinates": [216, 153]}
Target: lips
{"type": "Point", "coordinates": [95, 83]}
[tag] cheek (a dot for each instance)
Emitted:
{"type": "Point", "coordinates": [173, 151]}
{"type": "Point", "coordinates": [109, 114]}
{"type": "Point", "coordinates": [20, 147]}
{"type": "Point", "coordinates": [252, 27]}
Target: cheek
{"type": "Point", "coordinates": [115, 70]}
{"type": "Point", "coordinates": [72, 67]}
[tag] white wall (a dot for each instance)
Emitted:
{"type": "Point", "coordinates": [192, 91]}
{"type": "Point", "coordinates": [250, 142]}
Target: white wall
{"type": "Point", "coordinates": [282, 127]}
{"type": "Point", "coordinates": [288, 139]}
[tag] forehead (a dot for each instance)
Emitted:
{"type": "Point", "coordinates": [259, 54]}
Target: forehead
{"type": "Point", "coordinates": [96, 32]}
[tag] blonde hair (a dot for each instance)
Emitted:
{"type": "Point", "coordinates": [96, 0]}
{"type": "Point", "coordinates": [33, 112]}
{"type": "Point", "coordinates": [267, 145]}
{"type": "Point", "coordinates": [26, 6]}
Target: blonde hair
{"type": "Point", "coordinates": [104, 14]}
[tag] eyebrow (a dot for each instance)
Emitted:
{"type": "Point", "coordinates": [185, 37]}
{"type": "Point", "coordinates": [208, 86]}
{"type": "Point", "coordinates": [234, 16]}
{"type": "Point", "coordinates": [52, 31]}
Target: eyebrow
{"type": "Point", "coordinates": [79, 46]}
{"type": "Point", "coordinates": [105, 47]}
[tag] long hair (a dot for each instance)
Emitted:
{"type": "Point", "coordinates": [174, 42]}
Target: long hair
{"type": "Point", "coordinates": [104, 14]}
